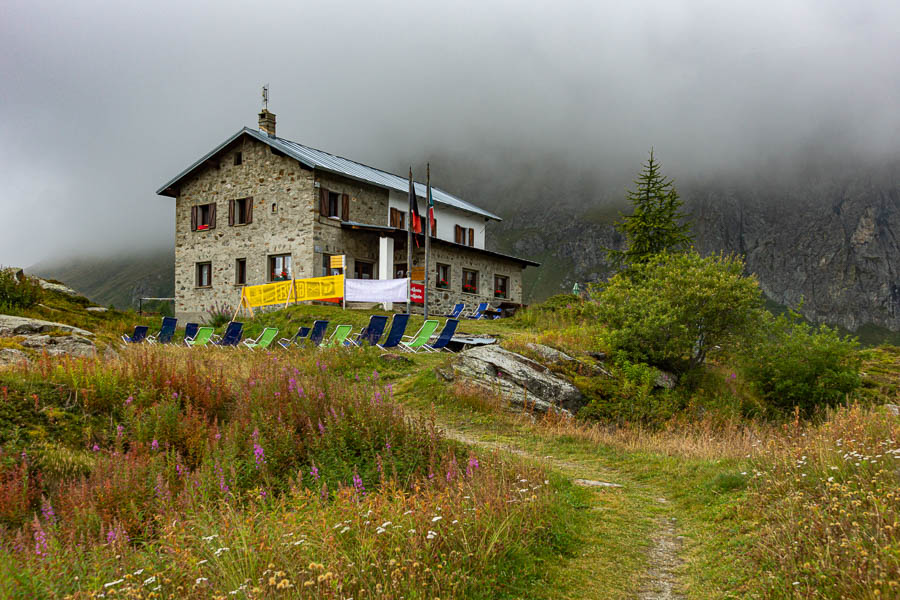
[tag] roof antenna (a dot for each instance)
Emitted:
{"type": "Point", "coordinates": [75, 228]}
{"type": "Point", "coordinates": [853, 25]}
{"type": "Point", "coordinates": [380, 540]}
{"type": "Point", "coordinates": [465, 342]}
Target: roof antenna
{"type": "Point", "coordinates": [265, 97]}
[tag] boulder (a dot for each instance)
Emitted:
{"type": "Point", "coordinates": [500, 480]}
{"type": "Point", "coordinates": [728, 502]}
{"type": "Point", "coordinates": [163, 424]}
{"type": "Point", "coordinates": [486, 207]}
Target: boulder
{"type": "Point", "coordinates": [96, 309]}
{"type": "Point", "coordinates": [11, 325]}
{"type": "Point", "coordinates": [550, 355]}
{"type": "Point", "coordinates": [665, 380]}
{"type": "Point", "coordinates": [519, 379]}
{"type": "Point", "coordinates": [11, 355]}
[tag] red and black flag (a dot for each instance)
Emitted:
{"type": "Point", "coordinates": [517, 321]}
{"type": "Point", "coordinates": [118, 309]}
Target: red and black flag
{"type": "Point", "coordinates": [415, 221]}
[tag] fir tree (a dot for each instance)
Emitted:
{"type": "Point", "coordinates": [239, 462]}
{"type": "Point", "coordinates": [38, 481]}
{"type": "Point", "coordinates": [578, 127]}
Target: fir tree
{"type": "Point", "coordinates": [656, 224]}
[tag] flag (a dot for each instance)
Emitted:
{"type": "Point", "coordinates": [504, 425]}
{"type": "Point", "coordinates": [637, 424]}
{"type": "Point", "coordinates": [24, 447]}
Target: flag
{"type": "Point", "coordinates": [430, 208]}
{"type": "Point", "coordinates": [415, 221]}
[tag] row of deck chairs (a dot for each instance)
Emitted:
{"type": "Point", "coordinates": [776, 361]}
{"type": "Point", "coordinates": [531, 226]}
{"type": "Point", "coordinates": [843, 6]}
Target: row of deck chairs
{"type": "Point", "coordinates": [342, 335]}
{"type": "Point", "coordinates": [478, 313]}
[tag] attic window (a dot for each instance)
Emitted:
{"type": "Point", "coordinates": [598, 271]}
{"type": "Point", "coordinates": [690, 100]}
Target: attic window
{"type": "Point", "coordinates": [274, 208]}
{"type": "Point", "coordinates": [238, 158]}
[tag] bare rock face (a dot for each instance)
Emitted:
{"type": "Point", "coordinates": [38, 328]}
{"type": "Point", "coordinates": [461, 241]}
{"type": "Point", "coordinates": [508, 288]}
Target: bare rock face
{"type": "Point", "coordinates": [520, 379]}
{"type": "Point", "coordinates": [31, 337]}
{"type": "Point", "coordinates": [11, 325]}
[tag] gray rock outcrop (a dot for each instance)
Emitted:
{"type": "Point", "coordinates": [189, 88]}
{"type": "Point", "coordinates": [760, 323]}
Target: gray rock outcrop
{"type": "Point", "coordinates": [34, 336]}
{"type": "Point", "coordinates": [522, 381]}
{"type": "Point", "coordinates": [12, 325]}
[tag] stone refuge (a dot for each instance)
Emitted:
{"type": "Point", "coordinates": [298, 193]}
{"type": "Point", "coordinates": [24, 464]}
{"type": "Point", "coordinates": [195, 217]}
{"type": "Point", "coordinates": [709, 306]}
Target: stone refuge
{"type": "Point", "coordinates": [519, 379]}
{"type": "Point", "coordinates": [259, 208]}
{"type": "Point", "coordinates": [39, 336]}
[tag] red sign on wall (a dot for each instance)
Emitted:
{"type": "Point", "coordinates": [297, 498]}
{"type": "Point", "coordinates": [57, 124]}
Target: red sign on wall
{"type": "Point", "coordinates": [417, 293]}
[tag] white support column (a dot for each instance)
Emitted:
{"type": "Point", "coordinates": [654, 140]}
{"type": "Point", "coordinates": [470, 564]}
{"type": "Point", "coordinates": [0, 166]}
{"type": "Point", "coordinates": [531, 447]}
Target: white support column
{"type": "Point", "coordinates": [386, 263]}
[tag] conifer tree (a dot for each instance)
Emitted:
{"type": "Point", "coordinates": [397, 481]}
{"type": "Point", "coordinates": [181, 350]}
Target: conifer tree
{"type": "Point", "coordinates": [656, 224]}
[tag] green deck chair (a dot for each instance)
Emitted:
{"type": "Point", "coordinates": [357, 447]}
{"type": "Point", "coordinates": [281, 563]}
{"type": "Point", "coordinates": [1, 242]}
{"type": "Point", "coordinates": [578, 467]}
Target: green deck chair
{"type": "Point", "coordinates": [265, 338]}
{"type": "Point", "coordinates": [337, 338]}
{"type": "Point", "coordinates": [421, 338]}
{"type": "Point", "coordinates": [204, 334]}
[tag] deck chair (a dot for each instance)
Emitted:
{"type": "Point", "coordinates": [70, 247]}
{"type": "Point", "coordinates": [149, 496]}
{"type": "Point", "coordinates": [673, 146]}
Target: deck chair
{"type": "Point", "coordinates": [233, 334]}
{"type": "Point", "coordinates": [444, 338]}
{"type": "Point", "coordinates": [338, 336]}
{"type": "Point", "coordinates": [317, 333]}
{"type": "Point", "coordinates": [371, 333]}
{"type": "Point", "coordinates": [478, 313]}
{"type": "Point", "coordinates": [395, 335]}
{"type": "Point", "coordinates": [457, 310]}
{"type": "Point", "coordinates": [166, 331]}
{"type": "Point", "coordinates": [202, 337]}
{"type": "Point", "coordinates": [297, 338]}
{"type": "Point", "coordinates": [417, 341]}
{"type": "Point", "coordinates": [190, 330]}
{"type": "Point", "coordinates": [263, 340]}
{"type": "Point", "coordinates": [139, 335]}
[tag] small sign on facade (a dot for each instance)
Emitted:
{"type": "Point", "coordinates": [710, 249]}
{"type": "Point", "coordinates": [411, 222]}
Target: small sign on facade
{"type": "Point", "coordinates": [337, 261]}
{"type": "Point", "coordinates": [417, 274]}
{"type": "Point", "coordinates": [417, 293]}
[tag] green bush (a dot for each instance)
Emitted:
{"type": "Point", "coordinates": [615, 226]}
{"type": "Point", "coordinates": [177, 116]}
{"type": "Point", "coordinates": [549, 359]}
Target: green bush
{"type": "Point", "coordinates": [793, 364]}
{"type": "Point", "coordinates": [671, 311]}
{"type": "Point", "coordinates": [628, 397]}
{"type": "Point", "coordinates": [18, 294]}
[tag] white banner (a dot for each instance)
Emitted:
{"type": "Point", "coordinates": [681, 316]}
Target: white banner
{"type": "Point", "coordinates": [376, 290]}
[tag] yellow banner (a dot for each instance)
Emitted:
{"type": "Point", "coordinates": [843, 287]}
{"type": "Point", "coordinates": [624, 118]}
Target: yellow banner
{"type": "Point", "coordinates": [337, 262]}
{"type": "Point", "coordinates": [279, 292]}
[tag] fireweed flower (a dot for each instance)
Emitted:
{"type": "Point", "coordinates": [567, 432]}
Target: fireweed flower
{"type": "Point", "coordinates": [321, 428]}
{"type": "Point", "coordinates": [259, 455]}
{"type": "Point", "coordinates": [96, 448]}
{"type": "Point", "coordinates": [358, 484]}
{"type": "Point", "coordinates": [473, 464]}
{"type": "Point", "coordinates": [315, 472]}
{"type": "Point", "coordinates": [120, 429]}
{"type": "Point", "coordinates": [154, 445]}
{"type": "Point", "coordinates": [47, 511]}
{"type": "Point", "coordinates": [40, 540]}
{"type": "Point", "coordinates": [129, 400]}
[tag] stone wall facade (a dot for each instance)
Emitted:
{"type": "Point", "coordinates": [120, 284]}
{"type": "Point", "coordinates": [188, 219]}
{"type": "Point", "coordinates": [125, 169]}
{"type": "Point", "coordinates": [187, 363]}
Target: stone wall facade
{"type": "Point", "coordinates": [271, 180]}
{"type": "Point", "coordinates": [286, 220]}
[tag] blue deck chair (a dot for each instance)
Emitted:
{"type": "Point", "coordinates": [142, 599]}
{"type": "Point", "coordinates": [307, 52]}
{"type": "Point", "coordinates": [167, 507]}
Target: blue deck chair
{"type": "Point", "coordinates": [232, 336]}
{"type": "Point", "coordinates": [395, 335]}
{"type": "Point", "coordinates": [457, 310]}
{"type": "Point", "coordinates": [139, 335]}
{"type": "Point", "coordinates": [444, 338]}
{"type": "Point", "coordinates": [479, 312]}
{"type": "Point", "coordinates": [190, 330]}
{"type": "Point", "coordinates": [371, 333]}
{"type": "Point", "coordinates": [297, 339]}
{"type": "Point", "coordinates": [317, 334]}
{"type": "Point", "coordinates": [166, 331]}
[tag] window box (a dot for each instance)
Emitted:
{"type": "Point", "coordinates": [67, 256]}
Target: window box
{"type": "Point", "coordinates": [470, 281]}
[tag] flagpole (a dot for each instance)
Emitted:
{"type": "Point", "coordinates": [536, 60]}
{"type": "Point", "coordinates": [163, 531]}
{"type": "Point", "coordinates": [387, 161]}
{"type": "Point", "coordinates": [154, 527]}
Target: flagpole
{"type": "Point", "coordinates": [409, 241]}
{"type": "Point", "coordinates": [427, 233]}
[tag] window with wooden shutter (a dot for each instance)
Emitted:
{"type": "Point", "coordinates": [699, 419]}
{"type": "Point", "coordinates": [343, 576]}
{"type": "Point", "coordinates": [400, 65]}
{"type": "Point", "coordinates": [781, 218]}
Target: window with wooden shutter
{"type": "Point", "coordinates": [323, 202]}
{"type": "Point", "coordinates": [458, 234]}
{"type": "Point", "coordinates": [193, 218]}
{"type": "Point", "coordinates": [345, 207]}
{"type": "Point", "coordinates": [203, 217]}
{"type": "Point", "coordinates": [231, 204]}
{"type": "Point", "coordinates": [398, 218]}
{"type": "Point", "coordinates": [212, 215]}
{"type": "Point", "coordinates": [249, 214]}
{"type": "Point", "coordinates": [471, 236]}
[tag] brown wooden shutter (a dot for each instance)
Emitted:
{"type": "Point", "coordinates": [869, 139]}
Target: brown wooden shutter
{"type": "Point", "coordinates": [471, 236]}
{"type": "Point", "coordinates": [249, 210]}
{"type": "Point", "coordinates": [458, 234]}
{"type": "Point", "coordinates": [323, 202]}
{"type": "Point", "coordinates": [231, 212]}
{"type": "Point", "coordinates": [345, 207]}
{"type": "Point", "coordinates": [212, 215]}
{"type": "Point", "coordinates": [193, 218]}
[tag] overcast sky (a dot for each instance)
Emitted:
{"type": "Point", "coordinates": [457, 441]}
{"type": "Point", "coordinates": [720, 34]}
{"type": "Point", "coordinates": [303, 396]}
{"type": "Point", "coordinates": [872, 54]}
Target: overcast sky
{"type": "Point", "coordinates": [102, 102]}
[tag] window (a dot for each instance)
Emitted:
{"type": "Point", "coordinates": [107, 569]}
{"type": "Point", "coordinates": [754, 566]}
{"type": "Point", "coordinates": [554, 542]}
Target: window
{"type": "Point", "coordinates": [279, 267]}
{"type": "Point", "coordinates": [274, 208]}
{"type": "Point", "coordinates": [327, 271]}
{"type": "Point", "coordinates": [363, 270]}
{"type": "Point", "coordinates": [333, 204]}
{"type": "Point", "coordinates": [398, 219]}
{"type": "Point", "coordinates": [240, 211]}
{"type": "Point", "coordinates": [238, 158]}
{"type": "Point", "coordinates": [204, 274]}
{"type": "Point", "coordinates": [459, 234]}
{"type": "Point", "coordinates": [443, 277]}
{"type": "Point", "coordinates": [471, 237]}
{"type": "Point", "coordinates": [470, 281]}
{"type": "Point", "coordinates": [399, 270]}
{"type": "Point", "coordinates": [203, 217]}
{"type": "Point", "coordinates": [240, 271]}
{"type": "Point", "coordinates": [501, 286]}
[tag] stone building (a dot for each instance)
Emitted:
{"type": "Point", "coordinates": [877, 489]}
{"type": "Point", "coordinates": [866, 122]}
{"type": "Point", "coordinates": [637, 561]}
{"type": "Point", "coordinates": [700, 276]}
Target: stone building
{"type": "Point", "coordinates": [259, 208]}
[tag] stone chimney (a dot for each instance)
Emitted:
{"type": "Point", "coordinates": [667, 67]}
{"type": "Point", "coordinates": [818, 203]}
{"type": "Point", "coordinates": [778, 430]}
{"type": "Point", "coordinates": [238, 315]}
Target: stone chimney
{"type": "Point", "coordinates": [267, 122]}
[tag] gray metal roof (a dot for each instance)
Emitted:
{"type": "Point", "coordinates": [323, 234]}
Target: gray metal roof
{"type": "Point", "coordinates": [317, 159]}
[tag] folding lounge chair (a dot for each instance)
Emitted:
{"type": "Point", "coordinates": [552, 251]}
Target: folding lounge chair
{"type": "Point", "coordinates": [338, 336]}
{"type": "Point", "coordinates": [317, 333]}
{"type": "Point", "coordinates": [263, 340]}
{"type": "Point", "coordinates": [233, 334]}
{"type": "Point", "coordinates": [422, 336]}
{"type": "Point", "coordinates": [166, 331]}
{"type": "Point", "coordinates": [371, 333]}
{"type": "Point", "coordinates": [395, 335]}
{"type": "Point", "coordinates": [296, 339]}
{"type": "Point", "coordinates": [139, 335]}
{"type": "Point", "coordinates": [204, 334]}
{"type": "Point", "coordinates": [479, 312]}
{"type": "Point", "coordinates": [190, 330]}
{"type": "Point", "coordinates": [457, 310]}
{"type": "Point", "coordinates": [444, 338]}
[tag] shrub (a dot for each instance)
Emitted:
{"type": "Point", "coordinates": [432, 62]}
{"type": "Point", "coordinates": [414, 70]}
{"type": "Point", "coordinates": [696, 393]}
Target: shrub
{"type": "Point", "coordinates": [16, 293]}
{"type": "Point", "coordinates": [219, 314]}
{"type": "Point", "coordinates": [672, 310]}
{"type": "Point", "coordinates": [793, 364]}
